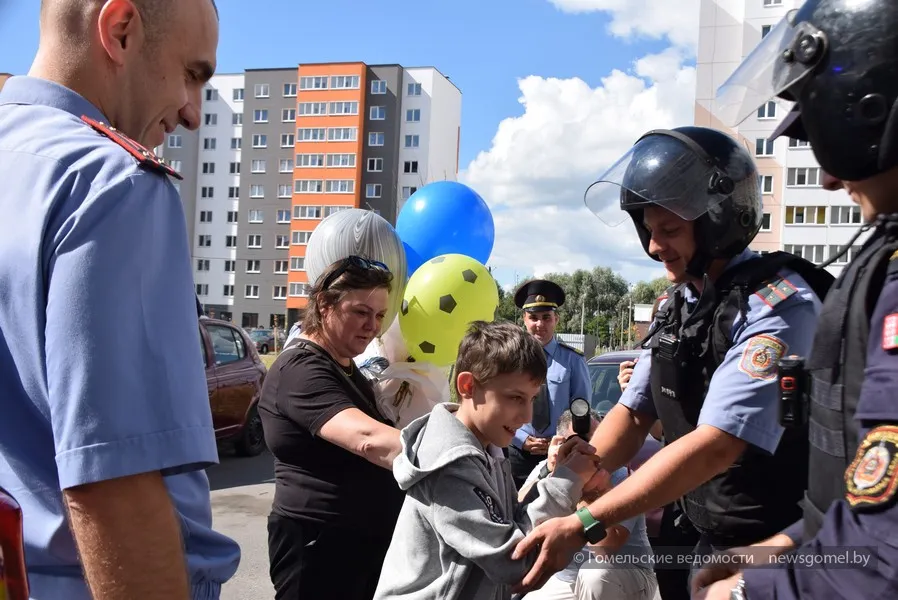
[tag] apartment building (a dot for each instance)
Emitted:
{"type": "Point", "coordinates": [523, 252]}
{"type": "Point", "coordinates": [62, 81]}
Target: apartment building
{"type": "Point", "coordinates": [799, 216]}
{"type": "Point", "coordinates": [3, 78]}
{"type": "Point", "coordinates": [280, 149]}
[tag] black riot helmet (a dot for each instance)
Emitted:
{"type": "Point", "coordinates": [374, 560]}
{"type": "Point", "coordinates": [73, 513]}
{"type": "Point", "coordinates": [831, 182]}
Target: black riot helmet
{"type": "Point", "coordinates": [838, 61]}
{"type": "Point", "coordinates": [700, 175]}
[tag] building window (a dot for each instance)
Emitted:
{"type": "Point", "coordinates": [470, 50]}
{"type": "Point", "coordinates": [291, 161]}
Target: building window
{"type": "Point", "coordinates": [815, 254]}
{"type": "Point", "coordinates": [237, 119]}
{"type": "Point", "coordinates": [210, 119]}
{"type": "Point", "coordinates": [232, 216]}
{"type": "Point", "coordinates": [174, 141]}
{"type": "Point", "coordinates": [211, 95]}
{"type": "Point", "coordinates": [411, 141]}
{"type": "Point", "coordinates": [342, 134]}
{"type": "Point", "coordinates": [763, 147]}
{"type": "Point", "coordinates": [230, 241]}
{"type": "Point", "coordinates": [765, 222]}
{"type": "Point", "coordinates": [339, 186]}
{"type": "Point", "coordinates": [234, 168]}
{"type": "Point", "coordinates": [208, 143]}
{"type": "Point", "coordinates": [312, 109]}
{"type": "Point", "coordinates": [279, 292]}
{"type": "Point", "coordinates": [257, 191]}
{"type": "Point", "coordinates": [285, 165]}
{"type": "Point", "coordinates": [300, 238]}
{"type": "Point", "coordinates": [285, 190]}
{"type": "Point", "coordinates": [376, 138]}
{"type": "Point", "coordinates": [208, 168]}
{"type": "Point", "coordinates": [309, 160]}
{"type": "Point", "coordinates": [255, 216]}
{"type": "Point", "coordinates": [202, 289]}
{"type": "Point", "coordinates": [767, 111]}
{"type": "Point", "coordinates": [407, 191]}
{"type": "Point", "coordinates": [233, 192]}
{"type": "Point", "coordinates": [306, 212]}
{"type": "Point", "coordinates": [229, 266]}
{"type": "Point", "coordinates": [372, 190]}
{"type": "Point", "coordinates": [298, 263]}
{"type": "Point", "coordinates": [413, 115]}
{"type": "Point", "coordinates": [227, 291]}
{"type": "Point", "coordinates": [261, 90]}
{"type": "Point", "coordinates": [260, 140]}
{"type": "Point", "coordinates": [341, 160]}
{"type": "Point", "coordinates": [805, 215]}
{"type": "Point", "coordinates": [251, 291]}
{"type": "Point", "coordinates": [329, 210]}
{"type": "Point", "coordinates": [238, 95]}
{"type": "Point", "coordinates": [299, 289]}
{"type": "Point", "coordinates": [308, 186]}
{"type": "Point", "coordinates": [414, 89]}
{"type": "Point", "coordinates": [375, 165]}
{"type": "Point", "coordinates": [288, 115]}
{"type": "Point", "coordinates": [773, 2]}
{"type": "Point", "coordinates": [258, 165]}
{"type": "Point", "coordinates": [378, 86]}
{"type": "Point", "coordinates": [202, 264]}
{"type": "Point", "coordinates": [767, 184]}
{"type": "Point", "coordinates": [254, 266]}
{"type": "Point", "coordinates": [313, 83]}
{"type": "Point", "coordinates": [204, 241]}
{"type": "Point", "coordinates": [280, 266]}
{"type": "Point", "coordinates": [311, 134]}
{"type": "Point", "coordinates": [793, 143]}
{"type": "Point", "coordinates": [283, 216]}
{"type": "Point", "coordinates": [345, 82]}
{"type": "Point", "coordinates": [377, 113]}
{"type": "Point", "coordinates": [410, 166]}
{"type": "Point", "coordinates": [236, 143]}
{"type": "Point", "coordinates": [765, 29]}
{"type": "Point", "coordinates": [344, 108]}
{"type": "Point", "coordinates": [803, 177]}
{"type": "Point", "coordinates": [289, 90]}
{"type": "Point", "coordinates": [287, 140]}
{"type": "Point", "coordinates": [845, 215]}
{"type": "Point", "coordinates": [205, 216]}
{"type": "Point", "coordinates": [282, 241]}
{"type": "Point", "coordinates": [207, 192]}
{"type": "Point", "coordinates": [254, 240]}
{"type": "Point", "coordinates": [260, 115]}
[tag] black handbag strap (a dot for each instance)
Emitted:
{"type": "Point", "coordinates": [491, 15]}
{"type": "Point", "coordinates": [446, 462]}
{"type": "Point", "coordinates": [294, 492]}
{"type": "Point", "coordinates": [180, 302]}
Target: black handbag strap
{"type": "Point", "coordinates": [302, 344]}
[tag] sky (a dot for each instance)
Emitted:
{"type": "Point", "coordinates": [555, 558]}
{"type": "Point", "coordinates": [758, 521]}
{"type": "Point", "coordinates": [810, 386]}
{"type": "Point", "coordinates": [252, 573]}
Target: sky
{"type": "Point", "coordinates": [553, 92]}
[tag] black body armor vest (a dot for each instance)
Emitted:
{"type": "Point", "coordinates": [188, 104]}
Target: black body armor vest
{"type": "Point", "coordinates": [836, 370]}
{"type": "Point", "coordinates": [759, 495]}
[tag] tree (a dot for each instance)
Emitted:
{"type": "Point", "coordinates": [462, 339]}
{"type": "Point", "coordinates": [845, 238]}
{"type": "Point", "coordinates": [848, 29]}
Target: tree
{"type": "Point", "coordinates": [646, 292]}
{"type": "Point", "coordinates": [507, 309]}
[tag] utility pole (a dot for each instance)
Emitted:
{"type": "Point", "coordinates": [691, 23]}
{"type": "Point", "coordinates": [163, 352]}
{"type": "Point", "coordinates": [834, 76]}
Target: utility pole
{"type": "Point", "coordinates": [630, 323]}
{"type": "Point", "coordinates": [582, 313]}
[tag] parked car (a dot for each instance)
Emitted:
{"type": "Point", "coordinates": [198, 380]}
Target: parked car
{"type": "Point", "coordinates": [234, 374]}
{"type": "Point", "coordinates": [264, 340]}
{"type": "Point", "coordinates": [603, 370]}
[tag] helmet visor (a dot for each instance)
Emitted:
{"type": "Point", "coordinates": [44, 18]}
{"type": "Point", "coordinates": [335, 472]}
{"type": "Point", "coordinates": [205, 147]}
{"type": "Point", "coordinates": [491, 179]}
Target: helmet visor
{"type": "Point", "coordinates": [659, 170]}
{"type": "Point", "coordinates": [781, 60]}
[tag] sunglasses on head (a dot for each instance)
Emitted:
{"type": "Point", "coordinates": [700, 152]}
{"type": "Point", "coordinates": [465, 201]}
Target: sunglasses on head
{"type": "Point", "coordinates": [353, 262]}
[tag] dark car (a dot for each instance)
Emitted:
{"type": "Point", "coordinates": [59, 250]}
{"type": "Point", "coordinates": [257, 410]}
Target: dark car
{"type": "Point", "coordinates": [234, 374]}
{"type": "Point", "coordinates": [603, 370]}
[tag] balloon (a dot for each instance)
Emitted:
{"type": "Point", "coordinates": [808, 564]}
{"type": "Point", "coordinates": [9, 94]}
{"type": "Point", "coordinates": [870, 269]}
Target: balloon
{"type": "Point", "coordinates": [359, 232]}
{"type": "Point", "coordinates": [445, 217]}
{"type": "Point", "coordinates": [441, 299]}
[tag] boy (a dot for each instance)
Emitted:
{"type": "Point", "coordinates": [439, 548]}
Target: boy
{"type": "Point", "coordinates": [461, 520]}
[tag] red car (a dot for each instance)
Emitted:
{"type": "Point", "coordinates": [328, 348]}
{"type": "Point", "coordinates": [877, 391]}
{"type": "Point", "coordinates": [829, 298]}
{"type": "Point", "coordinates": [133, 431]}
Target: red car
{"type": "Point", "coordinates": [234, 373]}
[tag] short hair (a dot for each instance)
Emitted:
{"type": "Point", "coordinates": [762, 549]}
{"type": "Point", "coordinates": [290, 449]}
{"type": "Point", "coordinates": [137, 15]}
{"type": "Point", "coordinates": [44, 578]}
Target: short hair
{"type": "Point", "coordinates": [566, 419]}
{"type": "Point", "coordinates": [489, 350]}
{"type": "Point", "coordinates": [354, 278]}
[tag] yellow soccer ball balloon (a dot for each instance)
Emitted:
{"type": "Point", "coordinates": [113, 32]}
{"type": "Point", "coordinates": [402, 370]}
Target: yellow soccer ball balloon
{"type": "Point", "coordinates": [442, 298]}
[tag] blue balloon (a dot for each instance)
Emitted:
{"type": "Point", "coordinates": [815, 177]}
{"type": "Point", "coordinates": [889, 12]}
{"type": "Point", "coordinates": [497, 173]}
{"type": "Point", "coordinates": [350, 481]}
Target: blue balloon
{"type": "Point", "coordinates": [445, 217]}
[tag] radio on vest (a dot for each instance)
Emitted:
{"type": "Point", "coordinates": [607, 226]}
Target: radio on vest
{"type": "Point", "coordinates": [793, 392]}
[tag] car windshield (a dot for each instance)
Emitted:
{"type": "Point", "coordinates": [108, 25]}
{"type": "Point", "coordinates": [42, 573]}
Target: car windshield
{"type": "Point", "coordinates": [259, 334]}
{"type": "Point", "coordinates": [605, 388]}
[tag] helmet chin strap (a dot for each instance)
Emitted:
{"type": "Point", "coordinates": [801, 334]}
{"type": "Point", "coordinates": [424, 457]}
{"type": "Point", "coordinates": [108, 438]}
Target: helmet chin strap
{"type": "Point", "coordinates": [699, 265]}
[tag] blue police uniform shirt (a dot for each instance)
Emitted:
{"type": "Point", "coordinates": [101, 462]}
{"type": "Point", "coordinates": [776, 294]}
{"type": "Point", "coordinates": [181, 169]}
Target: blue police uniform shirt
{"type": "Point", "coordinates": [567, 378]}
{"type": "Point", "coordinates": [101, 374]}
{"type": "Point", "coordinates": [742, 400]}
{"type": "Point", "coordinates": [847, 532]}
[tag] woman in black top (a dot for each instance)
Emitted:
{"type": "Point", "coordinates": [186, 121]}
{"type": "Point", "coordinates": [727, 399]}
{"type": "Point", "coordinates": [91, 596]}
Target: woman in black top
{"type": "Point", "coordinates": [335, 502]}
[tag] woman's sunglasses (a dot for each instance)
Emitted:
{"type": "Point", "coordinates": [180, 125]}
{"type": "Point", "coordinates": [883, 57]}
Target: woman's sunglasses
{"type": "Point", "coordinates": [353, 262]}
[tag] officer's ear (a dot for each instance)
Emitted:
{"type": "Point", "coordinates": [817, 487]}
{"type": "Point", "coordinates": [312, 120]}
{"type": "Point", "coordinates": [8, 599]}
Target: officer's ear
{"type": "Point", "coordinates": [121, 29]}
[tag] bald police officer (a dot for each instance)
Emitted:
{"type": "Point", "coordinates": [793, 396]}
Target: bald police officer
{"type": "Point", "coordinates": [106, 426]}
{"type": "Point", "coordinates": [567, 377]}
{"type": "Point", "coordinates": [837, 60]}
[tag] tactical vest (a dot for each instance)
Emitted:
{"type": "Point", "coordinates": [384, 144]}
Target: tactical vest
{"type": "Point", "coordinates": [759, 495]}
{"type": "Point", "coordinates": [836, 370]}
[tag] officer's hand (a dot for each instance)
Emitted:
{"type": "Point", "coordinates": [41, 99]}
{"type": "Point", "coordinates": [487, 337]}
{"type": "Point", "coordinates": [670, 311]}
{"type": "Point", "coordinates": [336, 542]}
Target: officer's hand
{"type": "Point", "coordinates": [554, 445]}
{"type": "Point", "coordinates": [719, 591]}
{"type": "Point", "coordinates": [625, 371]}
{"type": "Point", "coordinates": [717, 571]}
{"type": "Point", "coordinates": [536, 445]}
{"type": "Point", "coordinates": [579, 457]}
{"type": "Point", "coordinates": [557, 540]}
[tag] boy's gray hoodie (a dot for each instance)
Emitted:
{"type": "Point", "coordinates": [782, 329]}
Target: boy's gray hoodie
{"type": "Point", "coordinates": [461, 520]}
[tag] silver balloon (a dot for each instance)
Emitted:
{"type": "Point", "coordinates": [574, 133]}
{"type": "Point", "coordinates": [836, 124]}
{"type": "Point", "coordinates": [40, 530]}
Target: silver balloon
{"type": "Point", "coordinates": [359, 232]}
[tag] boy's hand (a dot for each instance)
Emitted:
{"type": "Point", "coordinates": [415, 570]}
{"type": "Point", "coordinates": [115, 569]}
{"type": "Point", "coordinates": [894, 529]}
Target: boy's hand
{"type": "Point", "coordinates": [554, 445]}
{"type": "Point", "coordinates": [625, 371]}
{"type": "Point", "coordinates": [535, 445]}
{"type": "Point", "coordinates": [580, 457]}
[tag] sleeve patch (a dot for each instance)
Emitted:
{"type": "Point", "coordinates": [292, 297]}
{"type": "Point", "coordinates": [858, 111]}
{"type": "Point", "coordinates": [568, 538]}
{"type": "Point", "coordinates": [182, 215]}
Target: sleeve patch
{"type": "Point", "coordinates": [761, 356]}
{"type": "Point", "coordinates": [491, 508]}
{"type": "Point", "coordinates": [890, 332]}
{"type": "Point", "coordinates": [871, 480]}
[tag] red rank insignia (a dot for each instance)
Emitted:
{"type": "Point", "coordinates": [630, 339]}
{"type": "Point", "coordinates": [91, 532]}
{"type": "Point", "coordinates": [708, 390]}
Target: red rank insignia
{"type": "Point", "coordinates": [145, 157]}
{"type": "Point", "coordinates": [890, 332]}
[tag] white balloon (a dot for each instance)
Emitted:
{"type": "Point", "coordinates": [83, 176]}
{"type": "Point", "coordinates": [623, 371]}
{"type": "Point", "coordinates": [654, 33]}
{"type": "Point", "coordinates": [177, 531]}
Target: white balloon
{"type": "Point", "coordinates": [364, 233]}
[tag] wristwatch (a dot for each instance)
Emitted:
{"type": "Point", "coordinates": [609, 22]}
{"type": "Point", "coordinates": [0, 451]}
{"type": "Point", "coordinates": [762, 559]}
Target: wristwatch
{"type": "Point", "coordinates": [544, 472]}
{"type": "Point", "coordinates": [738, 592]}
{"type": "Point", "coordinates": [594, 530]}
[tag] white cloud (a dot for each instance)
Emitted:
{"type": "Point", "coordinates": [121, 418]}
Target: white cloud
{"type": "Point", "coordinates": [541, 162]}
{"type": "Point", "coordinates": [677, 20]}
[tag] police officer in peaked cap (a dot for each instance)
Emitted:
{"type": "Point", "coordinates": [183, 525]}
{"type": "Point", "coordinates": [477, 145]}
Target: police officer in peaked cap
{"type": "Point", "coordinates": [567, 377]}
{"type": "Point", "coordinates": [708, 365]}
{"type": "Point", "coordinates": [837, 61]}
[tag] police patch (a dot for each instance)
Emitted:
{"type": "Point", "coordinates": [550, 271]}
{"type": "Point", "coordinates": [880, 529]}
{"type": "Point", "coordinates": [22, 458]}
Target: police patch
{"type": "Point", "coordinates": [761, 355]}
{"type": "Point", "coordinates": [890, 332]}
{"type": "Point", "coordinates": [871, 480]}
{"type": "Point", "coordinates": [491, 508]}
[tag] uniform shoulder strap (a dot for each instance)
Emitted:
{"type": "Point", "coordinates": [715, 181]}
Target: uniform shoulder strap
{"type": "Point", "coordinates": [144, 157]}
{"type": "Point", "coordinates": [571, 348]}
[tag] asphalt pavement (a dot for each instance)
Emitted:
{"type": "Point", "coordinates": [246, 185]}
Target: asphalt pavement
{"type": "Point", "coordinates": [242, 491]}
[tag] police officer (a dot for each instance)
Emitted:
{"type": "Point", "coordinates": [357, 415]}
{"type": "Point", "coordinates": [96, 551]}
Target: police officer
{"type": "Point", "coordinates": [567, 378]}
{"type": "Point", "coordinates": [708, 369]}
{"type": "Point", "coordinates": [837, 60]}
{"type": "Point", "coordinates": [106, 428]}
